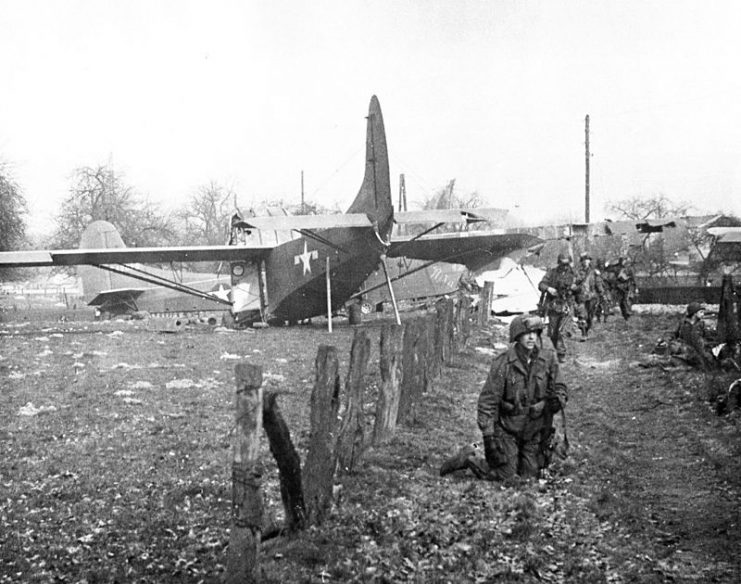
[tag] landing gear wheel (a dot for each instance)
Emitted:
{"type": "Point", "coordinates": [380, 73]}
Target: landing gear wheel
{"type": "Point", "coordinates": [366, 308]}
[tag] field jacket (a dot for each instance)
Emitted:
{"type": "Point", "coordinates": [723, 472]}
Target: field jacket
{"type": "Point", "coordinates": [590, 284]}
{"type": "Point", "coordinates": [562, 279]}
{"type": "Point", "coordinates": [515, 402]}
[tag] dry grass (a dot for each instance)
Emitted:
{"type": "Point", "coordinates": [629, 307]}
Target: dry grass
{"type": "Point", "coordinates": [128, 482]}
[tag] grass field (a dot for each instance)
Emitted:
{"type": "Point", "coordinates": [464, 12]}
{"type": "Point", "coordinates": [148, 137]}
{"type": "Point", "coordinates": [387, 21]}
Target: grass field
{"type": "Point", "coordinates": [115, 466]}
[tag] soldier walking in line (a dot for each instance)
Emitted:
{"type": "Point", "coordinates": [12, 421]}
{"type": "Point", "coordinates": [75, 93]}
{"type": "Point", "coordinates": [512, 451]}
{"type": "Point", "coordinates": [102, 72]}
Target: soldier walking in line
{"type": "Point", "coordinates": [559, 285]}
{"type": "Point", "coordinates": [604, 305]}
{"type": "Point", "coordinates": [589, 293]}
{"type": "Point", "coordinates": [624, 285]}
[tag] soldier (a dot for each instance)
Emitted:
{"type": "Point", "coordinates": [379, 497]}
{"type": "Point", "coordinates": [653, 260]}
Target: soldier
{"type": "Point", "coordinates": [604, 302]}
{"type": "Point", "coordinates": [624, 285]}
{"type": "Point", "coordinates": [695, 336]}
{"type": "Point", "coordinates": [589, 294]}
{"type": "Point", "coordinates": [523, 391]}
{"type": "Point", "coordinates": [558, 286]}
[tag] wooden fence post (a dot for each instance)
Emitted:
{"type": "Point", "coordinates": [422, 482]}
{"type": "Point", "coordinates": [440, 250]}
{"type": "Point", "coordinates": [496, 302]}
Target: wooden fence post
{"type": "Point", "coordinates": [350, 442]}
{"type": "Point", "coordinates": [485, 300]}
{"type": "Point", "coordinates": [462, 322]}
{"type": "Point", "coordinates": [387, 407]}
{"type": "Point", "coordinates": [243, 560]}
{"type": "Point", "coordinates": [422, 343]}
{"type": "Point", "coordinates": [729, 323]}
{"type": "Point", "coordinates": [289, 462]}
{"type": "Point", "coordinates": [447, 329]}
{"type": "Point", "coordinates": [321, 459]}
{"type": "Point", "coordinates": [412, 378]}
{"type": "Point", "coordinates": [439, 335]}
{"type": "Point", "coordinates": [432, 362]}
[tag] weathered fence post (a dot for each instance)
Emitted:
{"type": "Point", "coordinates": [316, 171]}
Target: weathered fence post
{"type": "Point", "coordinates": [439, 336]}
{"type": "Point", "coordinates": [350, 442]}
{"type": "Point", "coordinates": [464, 320]}
{"type": "Point", "coordinates": [423, 350]}
{"type": "Point", "coordinates": [412, 378]}
{"type": "Point", "coordinates": [243, 560]}
{"type": "Point", "coordinates": [387, 407]}
{"type": "Point", "coordinates": [447, 329]}
{"type": "Point", "coordinates": [321, 459]}
{"type": "Point", "coordinates": [289, 462]}
{"type": "Point", "coordinates": [729, 325]}
{"type": "Point", "coordinates": [432, 362]}
{"type": "Point", "coordinates": [485, 300]}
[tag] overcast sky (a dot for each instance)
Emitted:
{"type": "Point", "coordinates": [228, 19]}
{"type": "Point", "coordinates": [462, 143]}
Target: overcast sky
{"type": "Point", "coordinates": [491, 93]}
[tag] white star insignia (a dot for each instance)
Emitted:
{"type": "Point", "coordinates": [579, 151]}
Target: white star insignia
{"type": "Point", "coordinates": [305, 258]}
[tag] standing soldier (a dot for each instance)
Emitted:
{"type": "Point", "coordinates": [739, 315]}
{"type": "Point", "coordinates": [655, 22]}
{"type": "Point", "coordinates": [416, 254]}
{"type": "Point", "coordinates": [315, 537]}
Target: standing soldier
{"type": "Point", "coordinates": [523, 391]}
{"type": "Point", "coordinates": [558, 285]}
{"type": "Point", "coordinates": [605, 302]}
{"type": "Point", "coordinates": [589, 294]}
{"type": "Point", "coordinates": [624, 285]}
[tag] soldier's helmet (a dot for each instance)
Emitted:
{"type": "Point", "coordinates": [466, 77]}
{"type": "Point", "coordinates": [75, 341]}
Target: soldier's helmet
{"type": "Point", "coordinates": [693, 308]}
{"type": "Point", "coordinates": [524, 323]}
{"type": "Point", "coordinates": [585, 256]}
{"type": "Point", "coordinates": [563, 258]}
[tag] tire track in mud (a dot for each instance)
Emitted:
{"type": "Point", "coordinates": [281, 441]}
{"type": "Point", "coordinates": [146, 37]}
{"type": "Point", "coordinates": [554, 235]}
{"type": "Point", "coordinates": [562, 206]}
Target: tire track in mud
{"type": "Point", "coordinates": [664, 463]}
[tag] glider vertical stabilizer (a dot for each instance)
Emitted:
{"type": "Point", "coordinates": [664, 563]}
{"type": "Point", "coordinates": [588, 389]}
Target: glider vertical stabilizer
{"type": "Point", "coordinates": [297, 270]}
{"type": "Point", "coordinates": [374, 197]}
{"type": "Point", "coordinates": [101, 235]}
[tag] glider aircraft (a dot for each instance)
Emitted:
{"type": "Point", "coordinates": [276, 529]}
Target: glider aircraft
{"type": "Point", "coordinates": [322, 266]}
{"type": "Point", "coordinates": [154, 291]}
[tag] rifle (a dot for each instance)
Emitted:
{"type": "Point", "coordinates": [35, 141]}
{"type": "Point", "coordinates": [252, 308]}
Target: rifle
{"type": "Point", "coordinates": [542, 304]}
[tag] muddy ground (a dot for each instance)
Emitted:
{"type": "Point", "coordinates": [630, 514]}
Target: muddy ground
{"type": "Point", "coordinates": [115, 465]}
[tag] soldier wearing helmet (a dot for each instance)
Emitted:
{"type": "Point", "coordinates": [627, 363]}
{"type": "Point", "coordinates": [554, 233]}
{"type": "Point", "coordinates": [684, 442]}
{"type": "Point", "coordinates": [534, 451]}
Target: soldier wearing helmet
{"type": "Point", "coordinates": [590, 290]}
{"type": "Point", "coordinates": [558, 287]}
{"type": "Point", "coordinates": [696, 338]}
{"type": "Point", "coordinates": [624, 285]}
{"type": "Point", "coordinates": [523, 390]}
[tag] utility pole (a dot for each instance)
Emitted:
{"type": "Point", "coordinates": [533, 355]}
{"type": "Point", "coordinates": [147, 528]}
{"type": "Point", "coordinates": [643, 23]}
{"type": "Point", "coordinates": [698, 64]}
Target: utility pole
{"type": "Point", "coordinates": [402, 193]}
{"type": "Point", "coordinates": [302, 193]}
{"type": "Point", "coordinates": [586, 188]}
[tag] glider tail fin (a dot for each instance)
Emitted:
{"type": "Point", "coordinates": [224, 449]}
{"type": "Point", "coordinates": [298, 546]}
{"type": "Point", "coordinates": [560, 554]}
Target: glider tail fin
{"type": "Point", "coordinates": [374, 197]}
{"type": "Point", "coordinates": [99, 235]}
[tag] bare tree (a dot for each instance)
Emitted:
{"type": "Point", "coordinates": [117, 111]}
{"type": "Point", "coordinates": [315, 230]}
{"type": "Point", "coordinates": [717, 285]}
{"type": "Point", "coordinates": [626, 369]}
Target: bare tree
{"type": "Point", "coordinates": [12, 211]}
{"type": "Point", "coordinates": [657, 206]}
{"type": "Point", "coordinates": [205, 218]}
{"type": "Point", "coordinates": [97, 193]}
{"type": "Point", "coordinates": [448, 198]}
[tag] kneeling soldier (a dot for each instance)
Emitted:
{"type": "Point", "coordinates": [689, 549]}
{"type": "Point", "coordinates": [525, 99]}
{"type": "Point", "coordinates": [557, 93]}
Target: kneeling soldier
{"type": "Point", "coordinates": [516, 406]}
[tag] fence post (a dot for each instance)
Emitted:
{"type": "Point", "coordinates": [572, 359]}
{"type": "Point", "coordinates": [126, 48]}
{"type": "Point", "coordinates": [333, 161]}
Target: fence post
{"type": "Point", "coordinates": [243, 561]}
{"type": "Point", "coordinates": [350, 442]}
{"type": "Point", "coordinates": [447, 329]}
{"type": "Point", "coordinates": [321, 458]}
{"type": "Point", "coordinates": [463, 322]}
{"type": "Point", "coordinates": [487, 295]}
{"type": "Point", "coordinates": [387, 407]}
{"type": "Point", "coordinates": [289, 463]}
{"type": "Point", "coordinates": [729, 323]}
{"type": "Point", "coordinates": [432, 360]}
{"type": "Point", "coordinates": [423, 350]}
{"type": "Point", "coordinates": [412, 377]}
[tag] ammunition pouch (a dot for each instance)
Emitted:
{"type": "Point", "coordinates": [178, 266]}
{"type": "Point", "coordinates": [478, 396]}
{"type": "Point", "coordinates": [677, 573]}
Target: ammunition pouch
{"type": "Point", "coordinates": [559, 305]}
{"type": "Point", "coordinates": [536, 410]}
{"type": "Point", "coordinates": [507, 407]}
